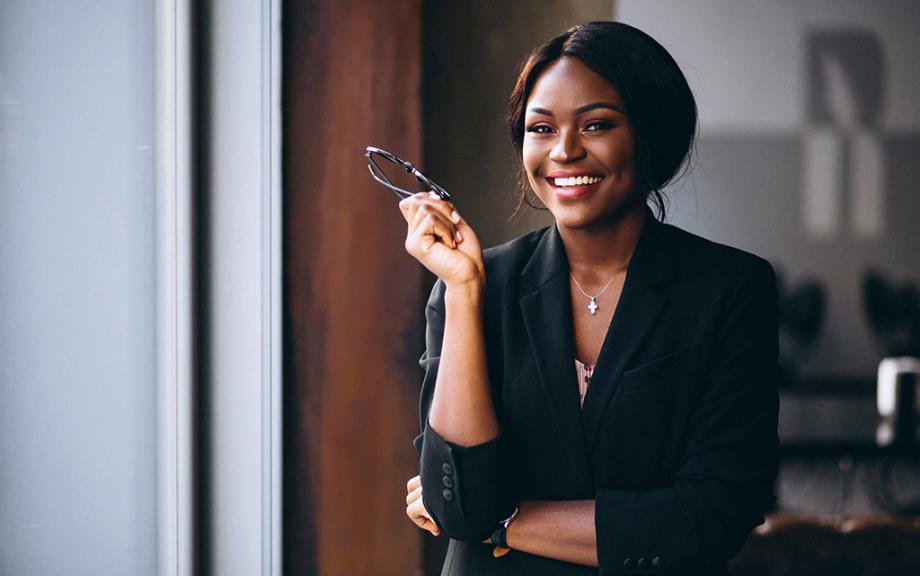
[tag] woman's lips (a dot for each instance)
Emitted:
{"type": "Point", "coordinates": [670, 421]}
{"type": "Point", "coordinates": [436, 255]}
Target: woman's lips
{"type": "Point", "coordinates": [581, 188]}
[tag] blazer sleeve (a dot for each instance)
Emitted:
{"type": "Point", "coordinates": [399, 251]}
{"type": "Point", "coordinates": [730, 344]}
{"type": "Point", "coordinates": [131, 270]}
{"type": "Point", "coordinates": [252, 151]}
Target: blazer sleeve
{"type": "Point", "coordinates": [726, 475]}
{"type": "Point", "coordinates": [464, 488]}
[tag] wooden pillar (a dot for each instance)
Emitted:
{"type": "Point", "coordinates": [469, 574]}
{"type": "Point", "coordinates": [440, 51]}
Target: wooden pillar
{"type": "Point", "coordinates": [353, 297]}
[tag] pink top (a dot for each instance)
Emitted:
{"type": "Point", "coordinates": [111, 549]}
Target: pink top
{"type": "Point", "coordinates": [584, 372]}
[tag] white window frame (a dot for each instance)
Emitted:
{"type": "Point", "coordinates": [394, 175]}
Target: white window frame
{"type": "Point", "coordinates": [175, 378]}
{"type": "Point", "coordinates": [243, 282]}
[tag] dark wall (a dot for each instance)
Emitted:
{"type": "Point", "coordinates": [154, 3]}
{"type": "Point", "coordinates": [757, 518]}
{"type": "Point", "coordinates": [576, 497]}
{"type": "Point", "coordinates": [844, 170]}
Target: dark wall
{"type": "Point", "coordinates": [353, 300]}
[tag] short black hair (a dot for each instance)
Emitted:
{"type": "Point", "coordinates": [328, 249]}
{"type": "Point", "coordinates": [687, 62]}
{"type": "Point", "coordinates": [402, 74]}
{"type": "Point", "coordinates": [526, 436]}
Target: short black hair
{"type": "Point", "coordinates": [658, 100]}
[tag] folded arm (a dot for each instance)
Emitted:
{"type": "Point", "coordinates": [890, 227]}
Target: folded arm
{"type": "Point", "coordinates": [461, 449]}
{"type": "Point", "coordinates": [723, 486]}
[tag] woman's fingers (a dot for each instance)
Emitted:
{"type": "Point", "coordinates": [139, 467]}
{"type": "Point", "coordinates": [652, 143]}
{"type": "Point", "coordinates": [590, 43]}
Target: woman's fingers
{"type": "Point", "coordinates": [415, 507]}
{"type": "Point", "coordinates": [421, 520]}
{"type": "Point", "coordinates": [416, 200]}
{"type": "Point", "coordinates": [441, 240]}
{"type": "Point", "coordinates": [416, 207]}
{"type": "Point", "coordinates": [413, 495]}
{"type": "Point", "coordinates": [413, 483]}
{"type": "Point", "coordinates": [426, 206]}
{"type": "Point", "coordinates": [431, 226]}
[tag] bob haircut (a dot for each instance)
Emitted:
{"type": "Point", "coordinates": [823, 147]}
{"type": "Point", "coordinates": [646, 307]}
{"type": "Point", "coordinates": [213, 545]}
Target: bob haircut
{"type": "Point", "coordinates": [658, 100]}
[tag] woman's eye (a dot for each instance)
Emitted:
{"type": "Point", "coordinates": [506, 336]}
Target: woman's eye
{"type": "Point", "coordinates": [539, 129]}
{"type": "Point", "coordinates": [598, 125]}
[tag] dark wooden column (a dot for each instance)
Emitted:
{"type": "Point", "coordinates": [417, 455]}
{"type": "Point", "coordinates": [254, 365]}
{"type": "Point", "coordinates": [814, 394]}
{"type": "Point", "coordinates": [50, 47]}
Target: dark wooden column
{"type": "Point", "coordinates": [353, 297]}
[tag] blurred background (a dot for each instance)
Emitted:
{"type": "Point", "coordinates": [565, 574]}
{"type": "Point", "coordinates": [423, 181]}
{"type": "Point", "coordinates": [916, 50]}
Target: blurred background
{"type": "Point", "coordinates": [209, 328]}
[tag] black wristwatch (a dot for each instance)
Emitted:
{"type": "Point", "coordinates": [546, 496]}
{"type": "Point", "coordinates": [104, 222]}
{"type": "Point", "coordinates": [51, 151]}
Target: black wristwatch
{"type": "Point", "coordinates": [500, 535]}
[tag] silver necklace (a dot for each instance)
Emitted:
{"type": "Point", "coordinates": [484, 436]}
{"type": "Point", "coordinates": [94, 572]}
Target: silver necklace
{"type": "Point", "coordinates": [592, 305]}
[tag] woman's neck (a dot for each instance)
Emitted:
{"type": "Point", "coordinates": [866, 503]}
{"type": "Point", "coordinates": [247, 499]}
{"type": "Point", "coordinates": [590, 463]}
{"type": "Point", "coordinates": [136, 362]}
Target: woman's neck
{"type": "Point", "coordinates": [597, 252]}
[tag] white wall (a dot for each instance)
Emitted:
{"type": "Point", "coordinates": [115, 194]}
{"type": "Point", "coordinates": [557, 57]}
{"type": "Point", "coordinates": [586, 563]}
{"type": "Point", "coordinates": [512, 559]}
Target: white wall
{"type": "Point", "coordinates": [745, 61]}
{"type": "Point", "coordinates": [77, 300]}
{"type": "Point", "coordinates": [820, 199]}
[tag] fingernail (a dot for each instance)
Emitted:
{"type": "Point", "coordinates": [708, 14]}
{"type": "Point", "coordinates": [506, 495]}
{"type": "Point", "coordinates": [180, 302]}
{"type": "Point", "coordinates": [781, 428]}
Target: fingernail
{"type": "Point", "coordinates": [455, 216]}
{"type": "Point", "coordinates": [434, 196]}
{"type": "Point", "coordinates": [459, 236]}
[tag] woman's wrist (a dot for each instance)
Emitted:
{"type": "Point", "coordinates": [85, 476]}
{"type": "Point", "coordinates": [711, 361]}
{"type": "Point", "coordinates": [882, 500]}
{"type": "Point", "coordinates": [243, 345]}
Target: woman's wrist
{"type": "Point", "coordinates": [465, 293]}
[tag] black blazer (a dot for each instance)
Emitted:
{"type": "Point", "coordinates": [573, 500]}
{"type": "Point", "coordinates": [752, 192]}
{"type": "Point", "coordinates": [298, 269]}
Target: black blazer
{"type": "Point", "coordinates": [677, 439]}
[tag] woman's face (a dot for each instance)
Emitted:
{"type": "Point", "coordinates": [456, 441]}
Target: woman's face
{"type": "Point", "coordinates": [578, 146]}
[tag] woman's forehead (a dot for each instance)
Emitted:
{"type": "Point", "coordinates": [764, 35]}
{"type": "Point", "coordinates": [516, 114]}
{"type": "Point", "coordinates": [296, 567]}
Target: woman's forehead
{"type": "Point", "coordinates": [568, 84]}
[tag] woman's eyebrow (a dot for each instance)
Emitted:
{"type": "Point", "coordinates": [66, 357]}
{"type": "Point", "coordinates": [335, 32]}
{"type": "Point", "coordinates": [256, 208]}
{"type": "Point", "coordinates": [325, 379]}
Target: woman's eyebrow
{"type": "Point", "coordinates": [581, 109]}
{"type": "Point", "coordinates": [596, 105]}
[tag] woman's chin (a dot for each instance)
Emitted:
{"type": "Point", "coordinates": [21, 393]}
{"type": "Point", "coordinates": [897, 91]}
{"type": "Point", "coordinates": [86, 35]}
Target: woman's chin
{"type": "Point", "coordinates": [571, 222]}
{"type": "Point", "coordinates": [590, 221]}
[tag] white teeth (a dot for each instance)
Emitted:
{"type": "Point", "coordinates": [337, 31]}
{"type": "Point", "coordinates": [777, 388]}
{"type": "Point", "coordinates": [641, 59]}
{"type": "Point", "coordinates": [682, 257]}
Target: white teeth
{"type": "Point", "coordinates": [576, 181]}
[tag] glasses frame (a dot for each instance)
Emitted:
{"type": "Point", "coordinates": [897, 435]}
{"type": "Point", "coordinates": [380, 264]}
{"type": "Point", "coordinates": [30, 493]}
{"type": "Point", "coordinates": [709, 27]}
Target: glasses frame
{"type": "Point", "coordinates": [379, 175]}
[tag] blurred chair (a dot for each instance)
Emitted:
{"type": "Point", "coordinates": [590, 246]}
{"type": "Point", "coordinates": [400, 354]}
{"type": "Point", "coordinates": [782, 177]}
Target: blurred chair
{"type": "Point", "coordinates": [801, 318]}
{"type": "Point", "coordinates": [795, 545]}
{"type": "Point", "coordinates": [893, 312]}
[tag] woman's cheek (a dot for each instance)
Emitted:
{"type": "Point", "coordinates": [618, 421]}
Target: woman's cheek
{"type": "Point", "coordinates": [530, 169]}
{"type": "Point", "coordinates": [528, 165]}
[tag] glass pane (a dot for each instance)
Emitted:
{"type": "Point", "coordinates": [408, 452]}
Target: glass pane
{"type": "Point", "coordinates": [77, 388]}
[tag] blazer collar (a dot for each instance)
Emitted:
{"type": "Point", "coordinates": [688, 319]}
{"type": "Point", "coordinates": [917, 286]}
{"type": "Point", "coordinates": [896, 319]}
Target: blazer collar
{"type": "Point", "coordinates": [546, 311]}
{"type": "Point", "coordinates": [547, 318]}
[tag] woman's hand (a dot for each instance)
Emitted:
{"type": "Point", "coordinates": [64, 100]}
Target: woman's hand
{"type": "Point", "coordinates": [442, 241]}
{"type": "Point", "coordinates": [415, 509]}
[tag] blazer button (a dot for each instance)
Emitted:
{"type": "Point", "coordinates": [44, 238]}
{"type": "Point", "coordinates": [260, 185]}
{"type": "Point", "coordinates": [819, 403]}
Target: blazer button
{"type": "Point", "coordinates": [448, 494]}
{"type": "Point", "coordinates": [448, 481]}
{"type": "Point", "coordinates": [657, 562]}
{"type": "Point", "coordinates": [627, 563]}
{"type": "Point", "coordinates": [642, 563]}
{"type": "Point", "coordinates": [447, 469]}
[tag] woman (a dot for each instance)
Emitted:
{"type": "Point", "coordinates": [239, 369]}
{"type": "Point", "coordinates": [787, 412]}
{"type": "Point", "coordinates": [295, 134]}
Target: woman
{"type": "Point", "coordinates": [599, 393]}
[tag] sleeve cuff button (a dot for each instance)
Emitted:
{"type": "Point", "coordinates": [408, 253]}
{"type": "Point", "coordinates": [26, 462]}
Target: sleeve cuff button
{"type": "Point", "coordinates": [448, 494]}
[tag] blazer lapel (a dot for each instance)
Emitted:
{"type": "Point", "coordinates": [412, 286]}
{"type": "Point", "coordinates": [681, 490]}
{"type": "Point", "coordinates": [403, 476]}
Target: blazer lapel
{"type": "Point", "coordinates": [547, 317]}
{"type": "Point", "coordinates": [637, 311]}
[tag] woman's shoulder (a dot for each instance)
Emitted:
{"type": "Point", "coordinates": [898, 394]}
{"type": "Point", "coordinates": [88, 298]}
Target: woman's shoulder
{"type": "Point", "coordinates": [712, 262]}
{"type": "Point", "coordinates": [513, 255]}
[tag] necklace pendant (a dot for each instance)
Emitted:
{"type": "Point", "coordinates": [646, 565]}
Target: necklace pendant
{"type": "Point", "coordinates": [593, 306]}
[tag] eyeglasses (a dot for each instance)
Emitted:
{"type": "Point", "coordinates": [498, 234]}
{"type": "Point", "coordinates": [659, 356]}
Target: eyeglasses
{"type": "Point", "coordinates": [379, 174]}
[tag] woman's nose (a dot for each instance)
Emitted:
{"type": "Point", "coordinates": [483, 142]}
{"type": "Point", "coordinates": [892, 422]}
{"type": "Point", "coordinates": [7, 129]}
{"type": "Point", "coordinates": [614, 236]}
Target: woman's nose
{"type": "Point", "coordinates": [567, 148]}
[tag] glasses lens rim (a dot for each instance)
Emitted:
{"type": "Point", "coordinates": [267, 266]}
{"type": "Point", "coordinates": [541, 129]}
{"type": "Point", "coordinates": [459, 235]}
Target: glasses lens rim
{"type": "Point", "coordinates": [370, 151]}
{"type": "Point", "coordinates": [381, 178]}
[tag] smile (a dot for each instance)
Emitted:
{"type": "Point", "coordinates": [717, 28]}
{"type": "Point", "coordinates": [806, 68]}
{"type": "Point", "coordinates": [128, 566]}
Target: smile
{"type": "Point", "coordinates": [574, 181]}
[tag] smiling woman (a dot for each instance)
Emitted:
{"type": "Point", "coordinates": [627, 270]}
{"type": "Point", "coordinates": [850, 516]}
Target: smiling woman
{"type": "Point", "coordinates": [581, 152]}
{"type": "Point", "coordinates": [645, 80]}
{"type": "Point", "coordinates": [599, 395]}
